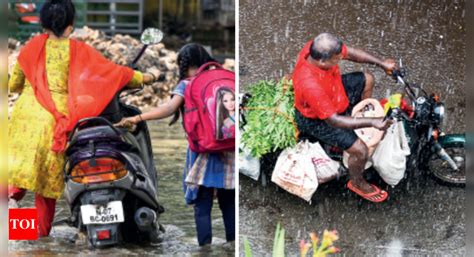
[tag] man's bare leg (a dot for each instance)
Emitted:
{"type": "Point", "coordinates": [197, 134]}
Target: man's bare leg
{"type": "Point", "coordinates": [358, 156]}
{"type": "Point", "coordinates": [369, 85]}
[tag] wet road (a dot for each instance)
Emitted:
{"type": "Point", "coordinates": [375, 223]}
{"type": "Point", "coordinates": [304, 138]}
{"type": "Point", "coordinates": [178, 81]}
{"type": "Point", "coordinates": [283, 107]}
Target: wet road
{"type": "Point", "coordinates": [169, 148]}
{"type": "Point", "coordinates": [421, 218]}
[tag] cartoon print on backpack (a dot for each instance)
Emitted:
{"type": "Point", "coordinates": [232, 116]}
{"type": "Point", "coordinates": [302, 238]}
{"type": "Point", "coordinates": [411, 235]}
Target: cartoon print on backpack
{"type": "Point", "coordinates": [202, 101]}
{"type": "Point", "coordinates": [225, 112]}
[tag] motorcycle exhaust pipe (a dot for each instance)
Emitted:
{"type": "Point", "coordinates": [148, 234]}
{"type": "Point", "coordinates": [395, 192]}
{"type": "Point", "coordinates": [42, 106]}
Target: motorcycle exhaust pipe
{"type": "Point", "coordinates": [445, 156]}
{"type": "Point", "coordinates": [146, 218]}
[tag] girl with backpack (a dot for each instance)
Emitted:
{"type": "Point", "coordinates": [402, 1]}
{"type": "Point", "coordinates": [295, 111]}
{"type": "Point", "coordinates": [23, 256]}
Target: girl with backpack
{"type": "Point", "coordinates": [206, 175]}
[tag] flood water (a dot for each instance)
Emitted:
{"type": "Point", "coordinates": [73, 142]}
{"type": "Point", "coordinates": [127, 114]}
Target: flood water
{"type": "Point", "coordinates": [421, 217]}
{"type": "Point", "coordinates": [169, 149]}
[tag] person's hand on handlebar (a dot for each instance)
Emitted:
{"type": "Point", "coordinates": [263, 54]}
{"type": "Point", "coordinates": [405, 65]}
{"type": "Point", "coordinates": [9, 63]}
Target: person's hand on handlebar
{"type": "Point", "coordinates": [382, 124]}
{"type": "Point", "coordinates": [151, 75]}
{"type": "Point", "coordinates": [129, 122]}
{"type": "Point", "coordinates": [389, 65]}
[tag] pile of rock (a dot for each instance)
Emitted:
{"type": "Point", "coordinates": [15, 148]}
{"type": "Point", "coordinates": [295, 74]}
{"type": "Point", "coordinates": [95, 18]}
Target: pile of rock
{"type": "Point", "coordinates": [13, 46]}
{"type": "Point", "coordinates": [122, 49]}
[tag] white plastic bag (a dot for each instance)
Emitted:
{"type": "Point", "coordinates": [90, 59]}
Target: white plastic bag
{"type": "Point", "coordinates": [390, 156]}
{"type": "Point", "coordinates": [295, 173]}
{"type": "Point", "coordinates": [249, 165]}
{"type": "Point", "coordinates": [326, 168]}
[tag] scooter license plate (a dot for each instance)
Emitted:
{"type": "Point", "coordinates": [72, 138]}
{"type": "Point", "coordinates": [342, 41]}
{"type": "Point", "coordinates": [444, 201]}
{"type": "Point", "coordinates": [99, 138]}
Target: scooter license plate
{"type": "Point", "coordinates": [102, 214]}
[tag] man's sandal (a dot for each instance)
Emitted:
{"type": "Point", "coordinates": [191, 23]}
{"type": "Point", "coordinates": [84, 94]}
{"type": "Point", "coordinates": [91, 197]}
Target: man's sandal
{"type": "Point", "coordinates": [376, 196]}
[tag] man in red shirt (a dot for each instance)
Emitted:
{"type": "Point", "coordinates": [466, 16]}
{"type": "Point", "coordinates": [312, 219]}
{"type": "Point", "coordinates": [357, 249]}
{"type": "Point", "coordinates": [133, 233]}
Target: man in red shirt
{"type": "Point", "coordinates": [324, 101]}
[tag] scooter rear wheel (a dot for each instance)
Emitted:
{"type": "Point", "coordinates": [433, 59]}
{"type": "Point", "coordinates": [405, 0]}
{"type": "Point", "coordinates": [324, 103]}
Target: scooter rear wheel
{"type": "Point", "coordinates": [444, 172]}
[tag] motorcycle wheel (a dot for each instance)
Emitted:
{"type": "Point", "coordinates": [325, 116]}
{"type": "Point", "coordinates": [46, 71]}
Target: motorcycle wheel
{"type": "Point", "coordinates": [443, 171]}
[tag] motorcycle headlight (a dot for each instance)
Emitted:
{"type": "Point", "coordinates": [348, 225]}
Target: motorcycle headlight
{"type": "Point", "coordinates": [439, 113]}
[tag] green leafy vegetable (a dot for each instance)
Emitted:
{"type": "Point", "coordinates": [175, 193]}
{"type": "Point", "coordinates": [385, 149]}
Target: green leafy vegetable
{"type": "Point", "coordinates": [270, 117]}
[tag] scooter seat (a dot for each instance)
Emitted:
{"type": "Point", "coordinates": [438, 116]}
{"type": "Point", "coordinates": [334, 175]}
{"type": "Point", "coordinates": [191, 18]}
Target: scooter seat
{"type": "Point", "coordinates": [106, 135]}
{"type": "Point", "coordinates": [95, 133]}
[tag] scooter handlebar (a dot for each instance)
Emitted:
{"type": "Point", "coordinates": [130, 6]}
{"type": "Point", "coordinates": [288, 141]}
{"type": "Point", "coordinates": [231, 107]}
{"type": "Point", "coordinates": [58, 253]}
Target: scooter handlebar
{"type": "Point", "coordinates": [398, 73]}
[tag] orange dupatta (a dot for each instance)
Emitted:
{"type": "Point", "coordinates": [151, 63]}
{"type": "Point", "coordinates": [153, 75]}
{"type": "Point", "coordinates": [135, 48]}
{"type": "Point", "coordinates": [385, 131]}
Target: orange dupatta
{"type": "Point", "coordinates": [92, 83]}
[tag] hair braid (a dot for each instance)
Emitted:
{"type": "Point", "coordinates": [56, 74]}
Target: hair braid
{"type": "Point", "coordinates": [183, 63]}
{"type": "Point", "coordinates": [183, 66]}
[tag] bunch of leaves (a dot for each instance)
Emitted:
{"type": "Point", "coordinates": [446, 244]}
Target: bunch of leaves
{"type": "Point", "coordinates": [270, 117]}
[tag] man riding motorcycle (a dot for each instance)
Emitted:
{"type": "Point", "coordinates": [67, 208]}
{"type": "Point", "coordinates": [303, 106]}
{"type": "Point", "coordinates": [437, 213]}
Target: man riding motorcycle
{"type": "Point", "coordinates": [324, 100]}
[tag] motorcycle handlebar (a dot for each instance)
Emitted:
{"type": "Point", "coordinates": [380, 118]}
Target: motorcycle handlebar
{"type": "Point", "coordinates": [398, 73]}
{"type": "Point", "coordinates": [396, 113]}
{"type": "Point", "coordinates": [391, 113]}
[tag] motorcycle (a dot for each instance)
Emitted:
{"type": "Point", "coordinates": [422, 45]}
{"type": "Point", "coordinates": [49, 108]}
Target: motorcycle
{"type": "Point", "coordinates": [110, 176]}
{"type": "Point", "coordinates": [441, 155]}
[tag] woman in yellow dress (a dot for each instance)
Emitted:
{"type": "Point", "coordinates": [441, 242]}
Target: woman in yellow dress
{"type": "Point", "coordinates": [35, 158]}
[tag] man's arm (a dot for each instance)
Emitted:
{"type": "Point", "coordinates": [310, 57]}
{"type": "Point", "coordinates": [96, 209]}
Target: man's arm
{"type": "Point", "coordinates": [346, 122]}
{"type": "Point", "coordinates": [358, 55]}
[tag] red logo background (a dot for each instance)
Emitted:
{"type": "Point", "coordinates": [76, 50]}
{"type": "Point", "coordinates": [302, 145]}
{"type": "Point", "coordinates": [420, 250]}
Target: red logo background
{"type": "Point", "coordinates": [23, 224]}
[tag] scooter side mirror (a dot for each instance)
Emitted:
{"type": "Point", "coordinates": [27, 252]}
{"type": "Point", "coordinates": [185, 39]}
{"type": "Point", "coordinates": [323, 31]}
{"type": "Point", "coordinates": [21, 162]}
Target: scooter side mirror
{"type": "Point", "coordinates": [151, 36]}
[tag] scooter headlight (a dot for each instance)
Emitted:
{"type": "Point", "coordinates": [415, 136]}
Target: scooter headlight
{"type": "Point", "coordinates": [98, 170]}
{"type": "Point", "coordinates": [439, 113]}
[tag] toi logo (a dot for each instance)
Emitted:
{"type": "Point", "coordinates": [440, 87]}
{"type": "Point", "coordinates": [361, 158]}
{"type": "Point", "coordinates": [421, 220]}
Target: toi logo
{"type": "Point", "coordinates": [23, 224]}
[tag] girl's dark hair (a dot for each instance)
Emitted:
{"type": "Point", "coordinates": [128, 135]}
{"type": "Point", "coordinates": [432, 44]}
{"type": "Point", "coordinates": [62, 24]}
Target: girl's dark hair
{"type": "Point", "coordinates": [192, 55]}
{"type": "Point", "coordinates": [57, 15]}
{"type": "Point", "coordinates": [189, 56]}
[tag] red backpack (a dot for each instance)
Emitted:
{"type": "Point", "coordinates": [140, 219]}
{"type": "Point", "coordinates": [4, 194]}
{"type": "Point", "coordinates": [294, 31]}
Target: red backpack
{"type": "Point", "coordinates": [207, 122]}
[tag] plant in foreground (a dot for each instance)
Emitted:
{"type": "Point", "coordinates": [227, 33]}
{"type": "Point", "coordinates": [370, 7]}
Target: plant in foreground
{"type": "Point", "coordinates": [320, 249]}
{"type": "Point", "coordinates": [324, 248]}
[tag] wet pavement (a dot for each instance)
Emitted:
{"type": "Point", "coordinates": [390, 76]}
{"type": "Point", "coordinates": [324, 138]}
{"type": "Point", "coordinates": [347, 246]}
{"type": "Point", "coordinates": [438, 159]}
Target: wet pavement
{"type": "Point", "coordinates": [169, 148]}
{"type": "Point", "coordinates": [421, 217]}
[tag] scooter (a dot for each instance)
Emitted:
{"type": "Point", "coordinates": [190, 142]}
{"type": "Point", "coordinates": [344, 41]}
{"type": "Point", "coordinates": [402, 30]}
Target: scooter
{"type": "Point", "coordinates": [111, 180]}
{"type": "Point", "coordinates": [441, 155]}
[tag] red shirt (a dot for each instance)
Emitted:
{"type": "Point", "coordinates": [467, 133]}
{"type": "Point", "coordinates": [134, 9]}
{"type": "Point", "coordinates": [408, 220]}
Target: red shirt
{"type": "Point", "coordinates": [318, 93]}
